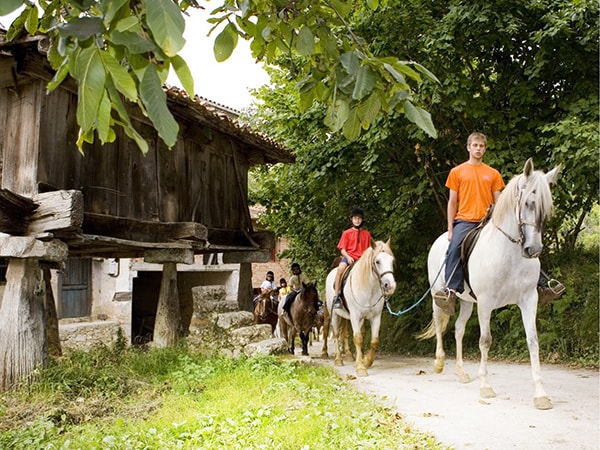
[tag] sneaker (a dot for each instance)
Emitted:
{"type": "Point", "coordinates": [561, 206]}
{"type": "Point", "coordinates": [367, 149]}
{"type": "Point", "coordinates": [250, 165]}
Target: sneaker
{"type": "Point", "coordinates": [337, 302]}
{"type": "Point", "coordinates": [552, 291]}
{"type": "Point", "coordinates": [446, 300]}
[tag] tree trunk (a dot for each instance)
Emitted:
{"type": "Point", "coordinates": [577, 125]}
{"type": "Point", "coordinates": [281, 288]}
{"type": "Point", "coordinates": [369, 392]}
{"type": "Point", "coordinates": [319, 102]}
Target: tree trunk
{"type": "Point", "coordinates": [167, 328]}
{"type": "Point", "coordinates": [54, 348]}
{"type": "Point", "coordinates": [23, 344]}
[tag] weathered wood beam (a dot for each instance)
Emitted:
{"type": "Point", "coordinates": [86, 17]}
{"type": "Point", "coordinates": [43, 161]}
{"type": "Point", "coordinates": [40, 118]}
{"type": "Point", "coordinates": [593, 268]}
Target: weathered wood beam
{"type": "Point", "coordinates": [15, 210]}
{"type": "Point", "coordinates": [256, 256]}
{"type": "Point", "coordinates": [57, 210]}
{"type": "Point", "coordinates": [140, 230]}
{"type": "Point", "coordinates": [183, 256]}
{"type": "Point", "coordinates": [30, 247]}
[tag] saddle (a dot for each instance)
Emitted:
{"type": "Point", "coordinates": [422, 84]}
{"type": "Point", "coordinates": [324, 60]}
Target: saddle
{"type": "Point", "coordinates": [468, 244]}
{"type": "Point", "coordinates": [343, 280]}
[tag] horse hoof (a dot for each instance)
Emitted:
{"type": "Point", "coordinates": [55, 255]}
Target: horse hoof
{"type": "Point", "coordinates": [362, 373]}
{"type": "Point", "coordinates": [487, 392]}
{"type": "Point", "coordinates": [324, 355]}
{"type": "Point", "coordinates": [438, 367]}
{"type": "Point", "coordinates": [542, 403]}
{"type": "Point", "coordinates": [304, 353]}
{"type": "Point", "coordinates": [464, 378]}
{"type": "Point", "coordinates": [338, 362]}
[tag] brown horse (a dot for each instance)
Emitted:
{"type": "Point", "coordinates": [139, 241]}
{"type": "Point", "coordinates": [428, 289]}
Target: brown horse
{"type": "Point", "coordinates": [265, 309]}
{"type": "Point", "coordinates": [302, 316]}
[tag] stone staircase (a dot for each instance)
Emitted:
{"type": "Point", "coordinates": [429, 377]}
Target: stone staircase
{"type": "Point", "coordinates": [219, 327]}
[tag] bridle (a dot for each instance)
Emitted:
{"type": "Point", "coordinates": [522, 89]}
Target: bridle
{"type": "Point", "coordinates": [520, 222]}
{"type": "Point", "coordinates": [379, 277]}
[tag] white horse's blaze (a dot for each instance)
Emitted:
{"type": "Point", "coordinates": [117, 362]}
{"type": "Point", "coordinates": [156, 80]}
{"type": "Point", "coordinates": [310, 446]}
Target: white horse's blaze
{"type": "Point", "coordinates": [503, 269]}
{"type": "Point", "coordinates": [369, 283]}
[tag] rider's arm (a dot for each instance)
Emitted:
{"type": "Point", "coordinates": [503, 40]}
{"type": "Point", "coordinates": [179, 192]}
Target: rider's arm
{"type": "Point", "coordinates": [452, 210]}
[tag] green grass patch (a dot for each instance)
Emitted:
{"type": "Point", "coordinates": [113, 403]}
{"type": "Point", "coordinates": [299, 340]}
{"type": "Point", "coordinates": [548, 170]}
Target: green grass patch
{"type": "Point", "coordinates": [126, 398]}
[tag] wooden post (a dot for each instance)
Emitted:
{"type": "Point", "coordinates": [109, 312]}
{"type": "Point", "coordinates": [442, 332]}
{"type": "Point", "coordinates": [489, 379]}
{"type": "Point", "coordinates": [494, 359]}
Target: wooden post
{"type": "Point", "coordinates": [167, 328]}
{"type": "Point", "coordinates": [54, 348]}
{"type": "Point", "coordinates": [23, 344]}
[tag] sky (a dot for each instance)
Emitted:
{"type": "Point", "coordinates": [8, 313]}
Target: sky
{"type": "Point", "coordinates": [228, 82]}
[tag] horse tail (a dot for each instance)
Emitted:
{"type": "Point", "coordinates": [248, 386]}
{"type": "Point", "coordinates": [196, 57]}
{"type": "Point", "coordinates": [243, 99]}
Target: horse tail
{"type": "Point", "coordinates": [429, 332]}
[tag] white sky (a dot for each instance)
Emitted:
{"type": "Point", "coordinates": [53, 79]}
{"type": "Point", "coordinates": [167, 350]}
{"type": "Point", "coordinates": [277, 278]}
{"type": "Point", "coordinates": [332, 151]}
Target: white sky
{"type": "Point", "coordinates": [228, 82]}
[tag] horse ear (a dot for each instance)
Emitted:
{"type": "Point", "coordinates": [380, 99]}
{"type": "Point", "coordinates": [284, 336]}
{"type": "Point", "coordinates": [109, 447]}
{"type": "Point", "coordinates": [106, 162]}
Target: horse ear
{"type": "Point", "coordinates": [528, 169]}
{"type": "Point", "coordinates": [373, 244]}
{"type": "Point", "coordinates": [552, 176]}
{"type": "Point", "coordinates": [389, 242]}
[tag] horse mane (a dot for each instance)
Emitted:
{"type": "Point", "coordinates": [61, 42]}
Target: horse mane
{"type": "Point", "coordinates": [536, 184]}
{"type": "Point", "coordinates": [361, 272]}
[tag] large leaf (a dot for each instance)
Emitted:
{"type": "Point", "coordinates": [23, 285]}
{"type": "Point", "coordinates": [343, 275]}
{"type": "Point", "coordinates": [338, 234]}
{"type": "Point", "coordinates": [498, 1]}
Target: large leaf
{"type": "Point", "coordinates": [306, 42]}
{"type": "Point", "coordinates": [365, 80]}
{"type": "Point", "coordinates": [121, 78]}
{"type": "Point", "coordinates": [31, 24]}
{"type": "Point", "coordinates": [82, 27]}
{"type": "Point", "coordinates": [165, 21]}
{"type": "Point", "coordinates": [135, 43]}
{"type": "Point", "coordinates": [91, 77]}
{"type": "Point", "coordinates": [352, 126]}
{"type": "Point", "coordinates": [105, 132]}
{"type": "Point", "coordinates": [155, 101]}
{"type": "Point", "coordinates": [368, 110]}
{"type": "Point", "coordinates": [225, 43]}
{"type": "Point", "coordinates": [8, 6]}
{"type": "Point", "coordinates": [125, 122]}
{"type": "Point", "coordinates": [184, 74]}
{"type": "Point", "coordinates": [421, 118]}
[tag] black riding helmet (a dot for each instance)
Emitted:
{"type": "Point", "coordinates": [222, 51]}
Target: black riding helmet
{"type": "Point", "coordinates": [356, 212]}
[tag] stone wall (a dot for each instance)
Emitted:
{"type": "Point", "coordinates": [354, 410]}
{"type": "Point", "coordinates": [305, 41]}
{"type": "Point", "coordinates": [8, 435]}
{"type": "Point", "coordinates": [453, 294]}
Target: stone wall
{"type": "Point", "coordinates": [85, 335]}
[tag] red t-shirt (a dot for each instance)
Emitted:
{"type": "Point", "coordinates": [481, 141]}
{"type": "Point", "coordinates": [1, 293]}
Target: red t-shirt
{"type": "Point", "coordinates": [355, 242]}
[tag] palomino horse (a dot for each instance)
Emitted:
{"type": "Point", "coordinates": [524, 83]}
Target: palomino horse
{"type": "Point", "coordinates": [503, 269]}
{"type": "Point", "coordinates": [301, 318]}
{"type": "Point", "coordinates": [370, 281]}
{"type": "Point", "coordinates": [265, 309]}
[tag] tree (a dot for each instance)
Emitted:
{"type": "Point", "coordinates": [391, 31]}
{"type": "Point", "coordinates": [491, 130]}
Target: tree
{"type": "Point", "coordinates": [523, 72]}
{"type": "Point", "coordinates": [120, 51]}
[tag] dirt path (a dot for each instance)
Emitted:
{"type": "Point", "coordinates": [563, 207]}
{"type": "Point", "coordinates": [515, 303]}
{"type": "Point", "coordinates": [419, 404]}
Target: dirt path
{"type": "Point", "coordinates": [455, 414]}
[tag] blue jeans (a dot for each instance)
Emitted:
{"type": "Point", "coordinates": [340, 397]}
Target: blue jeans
{"type": "Point", "coordinates": [454, 271]}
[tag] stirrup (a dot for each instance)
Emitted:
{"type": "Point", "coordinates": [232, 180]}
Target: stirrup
{"type": "Point", "coordinates": [556, 286]}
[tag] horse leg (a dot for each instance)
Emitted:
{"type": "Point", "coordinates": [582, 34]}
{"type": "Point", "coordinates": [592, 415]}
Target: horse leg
{"type": "Point", "coordinates": [370, 356]}
{"type": "Point", "coordinates": [347, 353]}
{"type": "Point", "coordinates": [440, 321]}
{"type": "Point", "coordinates": [485, 342]}
{"type": "Point", "coordinates": [326, 323]}
{"type": "Point", "coordinates": [359, 336]}
{"type": "Point", "coordinates": [336, 326]}
{"type": "Point", "coordinates": [304, 337]}
{"type": "Point", "coordinates": [466, 309]}
{"type": "Point", "coordinates": [528, 314]}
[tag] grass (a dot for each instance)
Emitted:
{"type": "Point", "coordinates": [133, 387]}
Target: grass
{"type": "Point", "coordinates": [172, 399]}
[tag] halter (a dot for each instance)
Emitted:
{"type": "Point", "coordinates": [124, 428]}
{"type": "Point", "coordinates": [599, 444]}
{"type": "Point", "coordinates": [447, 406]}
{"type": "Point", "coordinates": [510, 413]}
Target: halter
{"type": "Point", "coordinates": [520, 222]}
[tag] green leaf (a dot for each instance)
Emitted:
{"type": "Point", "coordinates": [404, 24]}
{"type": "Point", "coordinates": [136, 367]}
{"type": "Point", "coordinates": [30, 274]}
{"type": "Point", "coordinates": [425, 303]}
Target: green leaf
{"type": "Point", "coordinates": [31, 24]}
{"type": "Point", "coordinates": [165, 21]}
{"type": "Point", "coordinates": [121, 78]}
{"type": "Point", "coordinates": [81, 28]}
{"type": "Point", "coordinates": [155, 101]}
{"type": "Point", "coordinates": [17, 26]}
{"type": "Point", "coordinates": [421, 118]}
{"type": "Point", "coordinates": [225, 43]}
{"type": "Point", "coordinates": [91, 77]}
{"type": "Point", "coordinates": [306, 42]}
{"type": "Point", "coordinates": [125, 122]}
{"type": "Point", "coordinates": [103, 123]}
{"type": "Point", "coordinates": [110, 8]}
{"type": "Point", "coordinates": [8, 6]}
{"type": "Point", "coordinates": [352, 126]}
{"type": "Point", "coordinates": [350, 62]}
{"type": "Point", "coordinates": [59, 76]}
{"type": "Point", "coordinates": [397, 75]}
{"type": "Point", "coordinates": [365, 81]}
{"type": "Point", "coordinates": [135, 43]}
{"type": "Point", "coordinates": [184, 74]}
{"type": "Point", "coordinates": [373, 4]}
{"type": "Point", "coordinates": [337, 114]}
{"type": "Point", "coordinates": [368, 110]}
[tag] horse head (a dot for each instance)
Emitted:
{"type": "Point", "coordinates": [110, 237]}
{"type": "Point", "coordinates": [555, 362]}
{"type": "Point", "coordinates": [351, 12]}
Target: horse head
{"type": "Point", "coordinates": [531, 200]}
{"type": "Point", "coordinates": [264, 305]}
{"type": "Point", "coordinates": [383, 266]}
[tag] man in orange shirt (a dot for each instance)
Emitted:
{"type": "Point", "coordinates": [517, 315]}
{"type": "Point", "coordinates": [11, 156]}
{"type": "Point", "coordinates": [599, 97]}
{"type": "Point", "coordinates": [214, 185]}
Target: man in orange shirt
{"type": "Point", "coordinates": [474, 187]}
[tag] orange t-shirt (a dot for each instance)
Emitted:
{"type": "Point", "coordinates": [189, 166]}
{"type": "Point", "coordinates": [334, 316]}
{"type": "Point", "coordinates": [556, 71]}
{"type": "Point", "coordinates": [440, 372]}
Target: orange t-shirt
{"type": "Point", "coordinates": [475, 186]}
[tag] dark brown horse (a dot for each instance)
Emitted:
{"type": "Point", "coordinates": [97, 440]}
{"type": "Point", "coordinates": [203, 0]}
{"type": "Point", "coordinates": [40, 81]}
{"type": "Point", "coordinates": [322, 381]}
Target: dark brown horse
{"type": "Point", "coordinates": [265, 309]}
{"type": "Point", "coordinates": [302, 316]}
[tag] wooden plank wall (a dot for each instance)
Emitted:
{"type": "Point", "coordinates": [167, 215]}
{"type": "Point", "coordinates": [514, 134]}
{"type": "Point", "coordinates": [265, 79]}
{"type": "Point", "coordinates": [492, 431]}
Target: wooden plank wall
{"type": "Point", "coordinates": [205, 173]}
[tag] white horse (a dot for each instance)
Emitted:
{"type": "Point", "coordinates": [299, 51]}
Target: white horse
{"type": "Point", "coordinates": [503, 269]}
{"type": "Point", "coordinates": [370, 281]}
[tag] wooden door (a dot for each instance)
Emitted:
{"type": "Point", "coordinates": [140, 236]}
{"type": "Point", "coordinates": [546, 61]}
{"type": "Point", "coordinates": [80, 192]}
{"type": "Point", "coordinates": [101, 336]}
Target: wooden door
{"type": "Point", "coordinates": [75, 289]}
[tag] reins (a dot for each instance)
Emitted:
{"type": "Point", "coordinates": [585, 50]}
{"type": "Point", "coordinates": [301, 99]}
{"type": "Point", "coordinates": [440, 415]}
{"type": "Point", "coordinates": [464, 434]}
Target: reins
{"type": "Point", "coordinates": [418, 302]}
